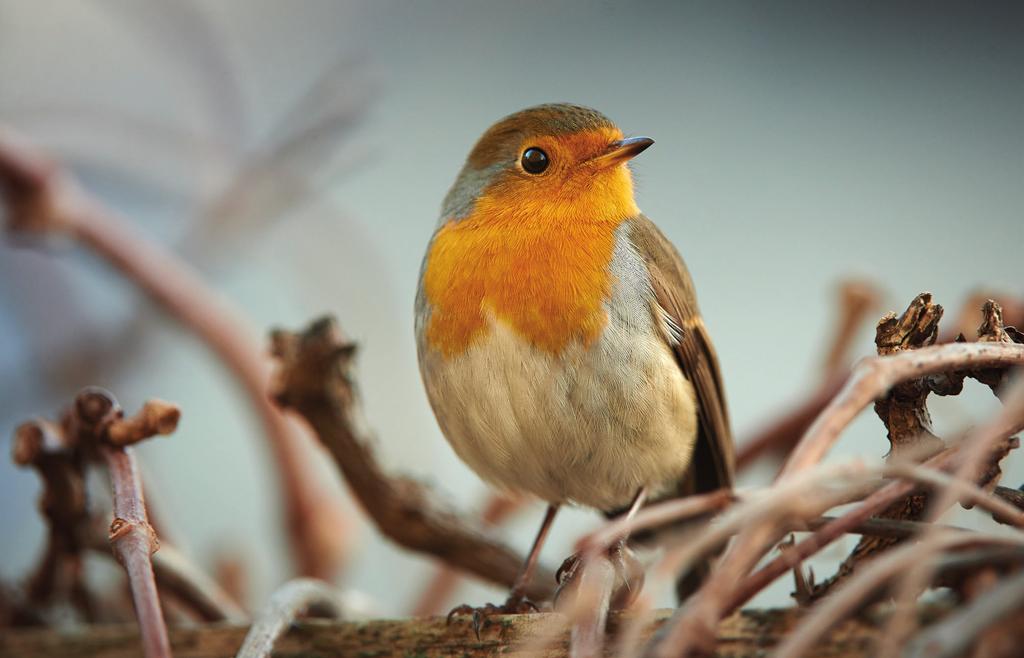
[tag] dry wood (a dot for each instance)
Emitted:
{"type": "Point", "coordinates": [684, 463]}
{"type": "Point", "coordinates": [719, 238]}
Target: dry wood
{"type": "Point", "coordinates": [745, 635]}
{"type": "Point", "coordinates": [315, 379]}
{"type": "Point", "coordinates": [693, 629]}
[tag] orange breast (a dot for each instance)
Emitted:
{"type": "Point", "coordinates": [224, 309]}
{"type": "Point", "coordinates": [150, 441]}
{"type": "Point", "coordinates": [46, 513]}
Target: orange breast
{"type": "Point", "coordinates": [546, 282]}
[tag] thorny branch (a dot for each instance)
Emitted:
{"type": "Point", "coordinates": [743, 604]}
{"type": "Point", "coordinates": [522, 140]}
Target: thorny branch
{"type": "Point", "coordinates": [43, 199]}
{"type": "Point", "coordinates": [315, 379]}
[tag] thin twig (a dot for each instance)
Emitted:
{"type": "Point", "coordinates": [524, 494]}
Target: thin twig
{"type": "Point", "coordinates": [874, 376]}
{"type": "Point", "coordinates": [976, 455]}
{"type": "Point", "coordinates": [694, 624]}
{"type": "Point", "coordinates": [177, 576]}
{"type": "Point", "coordinates": [133, 542]}
{"type": "Point", "coordinates": [287, 604]}
{"type": "Point", "coordinates": [840, 603]}
{"type": "Point", "coordinates": [43, 199]}
{"type": "Point", "coordinates": [958, 632]}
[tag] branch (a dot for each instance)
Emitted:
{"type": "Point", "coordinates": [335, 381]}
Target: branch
{"type": "Point", "coordinates": [133, 541]}
{"type": "Point", "coordinates": [431, 600]}
{"type": "Point", "coordinates": [955, 635]}
{"type": "Point", "coordinates": [694, 624]}
{"type": "Point", "coordinates": [856, 300]}
{"type": "Point", "coordinates": [43, 199]}
{"type": "Point", "coordinates": [825, 533]}
{"type": "Point", "coordinates": [293, 600]}
{"type": "Point", "coordinates": [836, 607]}
{"type": "Point", "coordinates": [745, 635]}
{"type": "Point", "coordinates": [131, 537]}
{"type": "Point", "coordinates": [876, 376]}
{"type": "Point", "coordinates": [315, 379]}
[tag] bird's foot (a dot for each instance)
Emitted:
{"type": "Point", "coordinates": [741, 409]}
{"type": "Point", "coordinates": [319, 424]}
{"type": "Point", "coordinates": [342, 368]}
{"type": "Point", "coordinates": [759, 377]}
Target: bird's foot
{"type": "Point", "coordinates": [628, 583]}
{"type": "Point", "coordinates": [516, 604]}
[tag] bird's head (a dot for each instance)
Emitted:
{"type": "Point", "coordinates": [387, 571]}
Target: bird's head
{"type": "Point", "coordinates": [550, 163]}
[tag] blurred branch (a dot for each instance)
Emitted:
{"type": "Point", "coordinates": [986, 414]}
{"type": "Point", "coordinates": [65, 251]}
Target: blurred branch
{"type": "Point", "coordinates": [90, 432]}
{"type": "Point", "coordinates": [432, 600]}
{"type": "Point", "coordinates": [315, 379]}
{"type": "Point", "coordinates": [43, 199]}
{"type": "Point", "coordinates": [856, 300]}
{"type": "Point", "coordinates": [955, 635]}
{"type": "Point", "coordinates": [293, 600]}
{"type": "Point", "coordinates": [84, 434]}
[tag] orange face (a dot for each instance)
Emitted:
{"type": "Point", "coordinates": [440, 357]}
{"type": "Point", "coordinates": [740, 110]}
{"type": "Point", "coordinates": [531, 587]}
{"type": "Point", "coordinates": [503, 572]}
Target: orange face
{"type": "Point", "coordinates": [533, 251]}
{"type": "Point", "coordinates": [581, 183]}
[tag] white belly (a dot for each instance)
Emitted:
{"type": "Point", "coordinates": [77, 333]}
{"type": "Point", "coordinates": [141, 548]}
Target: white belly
{"type": "Point", "coordinates": [592, 426]}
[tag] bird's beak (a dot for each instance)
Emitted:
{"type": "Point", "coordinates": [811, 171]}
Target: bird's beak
{"type": "Point", "coordinates": [622, 150]}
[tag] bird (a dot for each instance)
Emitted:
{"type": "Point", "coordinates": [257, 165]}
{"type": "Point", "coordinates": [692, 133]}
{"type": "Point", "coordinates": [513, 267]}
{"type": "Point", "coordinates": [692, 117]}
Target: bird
{"type": "Point", "coordinates": [557, 329]}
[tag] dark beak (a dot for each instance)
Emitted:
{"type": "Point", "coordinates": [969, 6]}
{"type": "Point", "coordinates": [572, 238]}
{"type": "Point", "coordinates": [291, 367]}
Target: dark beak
{"type": "Point", "coordinates": [623, 149]}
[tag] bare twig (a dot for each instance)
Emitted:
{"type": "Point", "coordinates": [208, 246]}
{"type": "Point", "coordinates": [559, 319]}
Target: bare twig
{"type": "Point", "coordinates": [975, 461]}
{"type": "Point", "coordinates": [695, 623]}
{"type": "Point", "coordinates": [133, 541]}
{"type": "Point", "coordinates": [857, 300]}
{"type": "Point", "coordinates": [155, 417]}
{"type": "Point", "coordinates": [177, 576]}
{"type": "Point", "coordinates": [873, 377]}
{"type": "Point", "coordinates": [958, 632]}
{"type": "Point", "coordinates": [315, 378]}
{"type": "Point", "coordinates": [43, 199]}
{"type": "Point", "coordinates": [831, 530]}
{"type": "Point", "coordinates": [293, 600]}
{"type": "Point", "coordinates": [830, 610]}
{"type": "Point", "coordinates": [131, 537]}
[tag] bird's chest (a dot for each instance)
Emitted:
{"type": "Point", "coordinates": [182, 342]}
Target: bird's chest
{"type": "Point", "coordinates": [548, 390]}
{"type": "Point", "coordinates": [548, 286]}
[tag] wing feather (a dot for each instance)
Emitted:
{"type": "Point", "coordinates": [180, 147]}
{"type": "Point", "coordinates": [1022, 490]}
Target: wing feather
{"type": "Point", "coordinates": [713, 462]}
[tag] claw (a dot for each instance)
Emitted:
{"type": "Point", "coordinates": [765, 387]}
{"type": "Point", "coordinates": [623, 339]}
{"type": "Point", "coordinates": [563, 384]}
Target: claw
{"type": "Point", "coordinates": [515, 605]}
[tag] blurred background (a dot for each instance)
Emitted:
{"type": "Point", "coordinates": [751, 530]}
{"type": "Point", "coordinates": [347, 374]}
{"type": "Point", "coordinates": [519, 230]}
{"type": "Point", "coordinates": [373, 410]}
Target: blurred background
{"type": "Point", "coordinates": [297, 153]}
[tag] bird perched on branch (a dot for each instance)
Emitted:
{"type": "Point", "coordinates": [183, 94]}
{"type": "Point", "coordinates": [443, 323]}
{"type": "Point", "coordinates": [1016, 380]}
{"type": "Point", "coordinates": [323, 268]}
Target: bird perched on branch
{"type": "Point", "coordinates": [557, 328]}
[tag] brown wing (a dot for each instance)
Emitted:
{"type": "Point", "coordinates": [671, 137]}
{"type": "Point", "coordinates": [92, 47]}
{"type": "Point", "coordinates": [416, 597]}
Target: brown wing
{"type": "Point", "coordinates": [712, 466]}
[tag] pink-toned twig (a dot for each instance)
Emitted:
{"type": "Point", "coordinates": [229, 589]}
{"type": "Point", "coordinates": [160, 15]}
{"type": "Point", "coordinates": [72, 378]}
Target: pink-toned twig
{"type": "Point", "coordinates": [43, 199]}
{"type": "Point", "coordinates": [876, 573]}
{"type": "Point", "coordinates": [694, 625]}
{"type": "Point", "coordinates": [133, 542]}
{"type": "Point", "coordinates": [976, 455]}
{"type": "Point", "coordinates": [291, 601]}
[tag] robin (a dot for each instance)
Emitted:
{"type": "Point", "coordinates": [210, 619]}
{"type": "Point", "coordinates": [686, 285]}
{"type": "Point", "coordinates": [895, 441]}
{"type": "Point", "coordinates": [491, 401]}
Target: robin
{"type": "Point", "coordinates": [557, 328]}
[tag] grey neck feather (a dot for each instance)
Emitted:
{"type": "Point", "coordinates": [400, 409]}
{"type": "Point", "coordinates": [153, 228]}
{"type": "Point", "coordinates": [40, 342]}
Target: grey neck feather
{"type": "Point", "coordinates": [459, 201]}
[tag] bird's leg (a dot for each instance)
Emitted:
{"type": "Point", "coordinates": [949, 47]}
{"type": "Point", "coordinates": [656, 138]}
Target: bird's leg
{"type": "Point", "coordinates": [516, 603]}
{"type": "Point", "coordinates": [626, 564]}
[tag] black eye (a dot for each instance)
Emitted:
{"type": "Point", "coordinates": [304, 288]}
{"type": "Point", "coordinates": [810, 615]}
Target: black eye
{"type": "Point", "coordinates": [534, 161]}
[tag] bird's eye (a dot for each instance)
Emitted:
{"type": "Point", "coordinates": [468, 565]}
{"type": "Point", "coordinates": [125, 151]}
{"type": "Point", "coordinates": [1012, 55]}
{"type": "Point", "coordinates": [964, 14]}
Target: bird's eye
{"type": "Point", "coordinates": [534, 160]}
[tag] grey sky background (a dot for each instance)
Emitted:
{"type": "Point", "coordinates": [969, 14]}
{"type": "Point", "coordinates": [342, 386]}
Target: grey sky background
{"type": "Point", "coordinates": [796, 144]}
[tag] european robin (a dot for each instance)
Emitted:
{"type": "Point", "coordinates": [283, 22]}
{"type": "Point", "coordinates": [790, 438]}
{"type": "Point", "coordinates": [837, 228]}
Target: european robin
{"type": "Point", "coordinates": [557, 328]}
